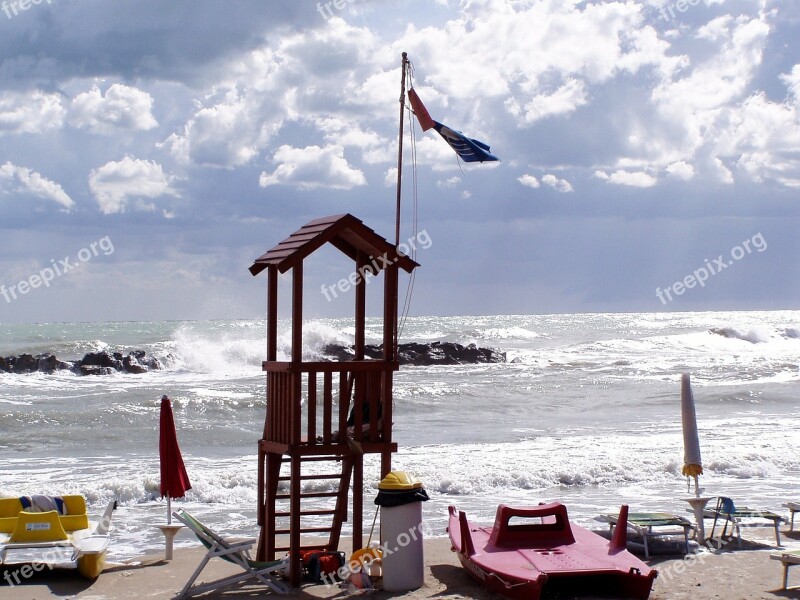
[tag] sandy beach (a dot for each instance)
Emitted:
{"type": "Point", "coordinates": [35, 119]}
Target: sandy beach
{"type": "Point", "coordinates": [732, 574]}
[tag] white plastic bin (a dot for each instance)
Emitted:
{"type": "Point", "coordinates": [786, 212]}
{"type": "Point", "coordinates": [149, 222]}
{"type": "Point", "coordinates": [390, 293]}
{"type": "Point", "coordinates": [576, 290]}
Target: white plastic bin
{"type": "Point", "coordinates": [400, 497]}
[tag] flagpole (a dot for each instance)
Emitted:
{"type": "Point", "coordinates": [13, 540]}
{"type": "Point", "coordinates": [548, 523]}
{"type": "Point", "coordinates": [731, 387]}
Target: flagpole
{"type": "Point", "coordinates": [400, 147]}
{"type": "Point", "coordinates": [404, 69]}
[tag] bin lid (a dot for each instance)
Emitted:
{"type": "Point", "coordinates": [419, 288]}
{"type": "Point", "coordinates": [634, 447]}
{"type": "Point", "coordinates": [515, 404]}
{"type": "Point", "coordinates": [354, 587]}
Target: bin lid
{"type": "Point", "coordinates": [399, 481]}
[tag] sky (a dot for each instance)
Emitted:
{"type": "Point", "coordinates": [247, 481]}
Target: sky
{"type": "Point", "coordinates": [150, 151]}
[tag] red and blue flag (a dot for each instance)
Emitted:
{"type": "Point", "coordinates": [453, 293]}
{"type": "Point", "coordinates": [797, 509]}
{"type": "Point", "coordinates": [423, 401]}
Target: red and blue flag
{"type": "Point", "coordinates": [469, 149]}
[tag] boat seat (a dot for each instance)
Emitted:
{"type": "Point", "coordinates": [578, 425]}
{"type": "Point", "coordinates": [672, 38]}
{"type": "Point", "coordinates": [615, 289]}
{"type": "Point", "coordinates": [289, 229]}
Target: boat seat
{"type": "Point", "coordinates": [74, 519]}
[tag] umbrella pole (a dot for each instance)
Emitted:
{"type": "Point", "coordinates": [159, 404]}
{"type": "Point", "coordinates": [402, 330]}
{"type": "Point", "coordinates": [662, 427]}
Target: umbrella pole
{"type": "Point", "coordinates": [169, 507]}
{"type": "Point", "coordinates": [696, 487]}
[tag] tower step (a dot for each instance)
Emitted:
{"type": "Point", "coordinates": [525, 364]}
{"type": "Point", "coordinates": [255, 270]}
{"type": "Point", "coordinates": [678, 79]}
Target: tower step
{"type": "Point", "coordinates": [309, 495]}
{"type": "Point", "coordinates": [307, 513]}
{"type": "Point", "coordinates": [305, 530]}
{"type": "Point", "coordinates": [312, 477]}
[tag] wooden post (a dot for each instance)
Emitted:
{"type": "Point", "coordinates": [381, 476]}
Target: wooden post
{"type": "Point", "coordinates": [272, 313]}
{"type": "Point", "coordinates": [297, 351]}
{"type": "Point", "coordinates": [361, 306]}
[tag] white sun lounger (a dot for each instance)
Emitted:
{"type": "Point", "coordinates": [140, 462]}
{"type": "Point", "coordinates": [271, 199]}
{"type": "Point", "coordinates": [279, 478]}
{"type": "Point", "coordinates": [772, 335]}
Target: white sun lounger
{"type": "Point", "coordinates": [789, 559]}
{"type": "Point", "coordinates": [235, 552]}
{"type": "Point", "coordinates": [793, 508]}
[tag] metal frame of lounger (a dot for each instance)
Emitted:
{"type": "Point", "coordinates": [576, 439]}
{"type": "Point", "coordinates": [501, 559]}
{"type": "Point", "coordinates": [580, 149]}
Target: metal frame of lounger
{"type": "Point", "coordinates": [643, 523]}
{"type": "Point", "coordinates": [735, 517]}
{"type": "Point", "coordinates": [237, 553]}
{"type": "Point", "coordinates": [788, 559]}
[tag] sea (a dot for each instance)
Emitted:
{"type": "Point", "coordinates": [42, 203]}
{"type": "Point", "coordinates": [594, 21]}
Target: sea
{"type": "Point", "coordinates": [586, 410]}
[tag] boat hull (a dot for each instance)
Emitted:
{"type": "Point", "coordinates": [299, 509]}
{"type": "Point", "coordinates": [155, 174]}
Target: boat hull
{"type": "Point", "coordinates": [41, 537]}
{"type": "Point", "coordinates": [522, 561]}
{"type": "Point", "coordinates": [91, 565]}
{"type": "Point", "coordinates": [510, 587]}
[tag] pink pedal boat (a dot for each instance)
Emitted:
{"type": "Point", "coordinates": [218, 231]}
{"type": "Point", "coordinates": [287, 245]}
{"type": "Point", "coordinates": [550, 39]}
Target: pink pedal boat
{"type": "Point", "coordinates": [521, 559]}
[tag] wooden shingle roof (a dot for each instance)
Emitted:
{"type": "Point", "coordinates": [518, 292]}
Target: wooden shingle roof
{"type": "Point", "coordinates": [345, 232]}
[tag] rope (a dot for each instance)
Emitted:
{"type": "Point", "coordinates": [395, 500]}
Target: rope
{"type": "Point", "coordinates": [412, 132]}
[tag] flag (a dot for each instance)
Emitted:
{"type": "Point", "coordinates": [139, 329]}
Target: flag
{"type": "Point", "coordinates": [423, 117]}
{"type": "Point", "coordinates": [470, 150]}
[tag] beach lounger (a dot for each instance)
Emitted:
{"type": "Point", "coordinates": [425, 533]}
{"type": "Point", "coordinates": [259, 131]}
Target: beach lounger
{"type": "Point", "coordinates": [793, 508]}
{"type": "Point", "coordinates": [235, 552]}
{"type": "Point", "coordinates": [789, 559]}
{"type": "Point", "coordinates": [666, 525]}
{"type": "Point", "coordinates": [726, 510]}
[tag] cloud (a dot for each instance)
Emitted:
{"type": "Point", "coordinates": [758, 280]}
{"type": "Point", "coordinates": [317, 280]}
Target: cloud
{"type": "Point", "coordinates": [449, 183]}
{"type": "Point", "coordinates": [630, 178]}
{"type": "Point", "coordinates": [559, 185]}
{"type": "Point", "coordinates": [313, 167]}
{"type": "Point", "coordinates": [226, 134]}
{"type": "Point", "coordinates": [116, 183]}
{"type": "Point", "coordinates": [720, 171]}
{"type": "Point", "coordinates": [529, 181]}
{"type": "Point", "coordinates": [700, 106]}
{"type": "Point", "coordinates": [564, 100]}
{"type": "Point", "coordinates": [390, 178]}
{"type": "Point", "coordinates": [20, 180]}
{"type": "Point", "coordinates": [545, 57]}
{"type": "Point", "coordinates": [681, 170]}
{"type": "Point", "coordinates": [792, 81]}
{"type": "Point", "coordinates": [311, 78]}
{"type": "Point", "coordinates": [33, 112]}
{"type": "Point", "coordinates": [123, 108]}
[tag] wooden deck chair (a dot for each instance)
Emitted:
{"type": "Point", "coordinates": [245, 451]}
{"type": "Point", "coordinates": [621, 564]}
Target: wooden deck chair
{"type": "Point", "coordinates": [726, 509]}
{"type": "Point", "coordinates": [642, 524]}
{"type": "Point", "coordinates": [793, 508]}
{"type": "Point", "coordinates": [237, 553]}
{"type": "Point", "coordinates": [788, 559]}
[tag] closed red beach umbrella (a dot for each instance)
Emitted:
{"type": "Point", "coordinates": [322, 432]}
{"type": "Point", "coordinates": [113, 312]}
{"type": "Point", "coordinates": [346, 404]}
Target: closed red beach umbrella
{"type": "Point", "coordinates": [174, 479]}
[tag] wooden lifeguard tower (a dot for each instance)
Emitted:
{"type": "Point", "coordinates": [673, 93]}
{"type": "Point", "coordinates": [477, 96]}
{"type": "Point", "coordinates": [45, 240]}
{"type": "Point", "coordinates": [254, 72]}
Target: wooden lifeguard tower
{"type": "Point", "coordinates": [309, 404]}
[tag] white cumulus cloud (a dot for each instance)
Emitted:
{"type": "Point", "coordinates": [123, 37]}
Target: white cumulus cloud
{"type": "Point", "coordinates": [448, 183]}
{"type": "Point", "coordinates": [529, 181]}
{"type": "Point", "coordinates": [311, 168]}
{"type": "Point", "coordinates": [117, 183]}
{"type": "Point", "coordinates": [558, 184]}
{"type": "Point", "coordinates": [630, 178]}
{"type": "Point", "coordinates": [564, 100]}
{"type": "Point", "coordinates": [34, 112]}
{"type": "Point", "coordinates": [681, 170]}
{"type": "Point", "coordinates": [21, 180]}
{"type": "Point", "coordinates": [122, 108]}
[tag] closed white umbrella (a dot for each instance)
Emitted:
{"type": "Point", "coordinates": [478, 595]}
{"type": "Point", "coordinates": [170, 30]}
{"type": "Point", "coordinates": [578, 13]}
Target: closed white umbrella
{"type": "Point", "coordinates": [692, 465]}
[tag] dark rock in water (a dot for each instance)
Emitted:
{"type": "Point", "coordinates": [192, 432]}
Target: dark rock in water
{"type": "Point", "coordinates": [95, 370]}
{"type": "Point", "coordinates": [48, 363]}
{"type": "Point", "coordinates": [25, 363]}
{"type": "Point", "coordinates": [94, 363]}
{"type": "Point", "coordinates": [131, 364]}
{"type": "Point", "coordinates": [101, 359]}
{"type": "Point", "coordinates": [415, 353]}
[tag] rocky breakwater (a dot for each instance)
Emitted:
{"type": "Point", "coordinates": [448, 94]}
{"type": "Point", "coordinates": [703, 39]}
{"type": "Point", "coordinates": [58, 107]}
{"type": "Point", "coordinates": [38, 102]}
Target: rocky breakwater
{"type": "Point", "coordinates": [94, 363]}
{"type": "Point", "coordinates": [414, 353]}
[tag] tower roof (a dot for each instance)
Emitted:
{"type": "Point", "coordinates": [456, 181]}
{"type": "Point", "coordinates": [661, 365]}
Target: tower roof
{"type": "Point", "coordinates": [345, 232]}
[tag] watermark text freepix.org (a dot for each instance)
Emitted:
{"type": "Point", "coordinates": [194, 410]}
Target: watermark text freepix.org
{"type": "Point", "coordinates": [56, 269]}
{"type": "Point", "coordinates": [421, 240]}
{"type": "Point", "coordinates": [700, 275]}
{"type": "Point", "coordinates": [355, 566]}
{"type": "Point", "coordinates": [13, 7]}
{"type": "Point", "coordinates": [325, 8]}
{"type": "Point", "coordinates": [26, 571]}
{"type": "Point", "coordinates": [668, 12]}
